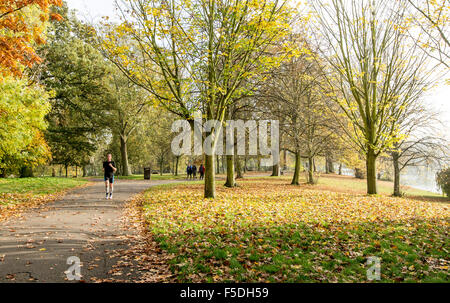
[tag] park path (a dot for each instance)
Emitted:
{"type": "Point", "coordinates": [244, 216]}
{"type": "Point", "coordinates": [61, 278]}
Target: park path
{"type": "Point", "coordinates": [83, 224]}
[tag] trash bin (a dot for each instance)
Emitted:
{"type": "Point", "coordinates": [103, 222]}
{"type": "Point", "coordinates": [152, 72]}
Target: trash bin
{"type": "Point", "coordinates": [147, 173]}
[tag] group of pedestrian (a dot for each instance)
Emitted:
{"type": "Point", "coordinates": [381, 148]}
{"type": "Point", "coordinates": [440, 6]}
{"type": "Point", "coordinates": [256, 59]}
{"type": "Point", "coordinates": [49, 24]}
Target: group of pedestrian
{"type": "Point", "coordinates": [191, 171]}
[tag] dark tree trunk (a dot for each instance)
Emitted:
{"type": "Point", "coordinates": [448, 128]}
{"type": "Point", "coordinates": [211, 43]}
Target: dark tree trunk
{"type": "Point", "coordinates": [176, 165]}
{"type": "Point", "coordinates": [340, 169]}
{"type": "Point", "coordinates": [67, 171]}
{"type": "Point", "coordinates": [231, 182]}
{"type": "Point", "coordinates": [329, 165]}
{"type": "Point", "coordinates": [124, 153]}
{"type": "Point", "coordinates": [85, 171]}
{"type": "Point", "coordinates": [276, 170]}
{"type": "Point", "coordinates": [371, 172]}
{"type": "Point", "coordinates": [395, 160]}
{"type": "Point", "coordinates": [298, 163]}
{"type": "Point", "coordinates": [210, 182]}
{"type": "Point", "coordinates": [311, 170]}
{"type": "Point", "coordinates": [218, 164]}
{"type": "Point", "coordinates": [239, 174]}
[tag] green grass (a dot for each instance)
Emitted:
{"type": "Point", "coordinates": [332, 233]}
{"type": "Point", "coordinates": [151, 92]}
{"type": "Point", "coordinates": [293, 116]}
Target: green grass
{"type": "Point", "coordinates": [38, 186]}
{"type": "Point", "coordinates": [267, 231]}
{"type": "Point", "coordinates": [384, 187]}
{"type": "Point", "coordinates": [344, 183]}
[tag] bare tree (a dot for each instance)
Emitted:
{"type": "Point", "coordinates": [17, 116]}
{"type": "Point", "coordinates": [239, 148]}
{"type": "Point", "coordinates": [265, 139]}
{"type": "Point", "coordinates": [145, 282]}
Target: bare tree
{"type": "Point", "coordinates": [420, 145]}
{"type": "Point", "coordinates": [375, 70]}
{"type": "Point", "coordinates": [292, 93]}
{"type": "Point", "coordinates": [432, 17]}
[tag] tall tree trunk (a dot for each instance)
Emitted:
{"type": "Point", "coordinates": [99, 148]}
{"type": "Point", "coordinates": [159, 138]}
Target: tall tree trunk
{"type": "Point", "coordinates": [176, 165]}
{"type": "Point", "coordinates": [276, 170]}
{"type": "Point", "coordinates": [371, 172]}
{"type": "Point", "coordinates": [67, 170]}
{"type": "Point", "coordinates": [210, 182]}
{"type": "Point", "coordinates": [161, 166]}
{"type": "Point", "coordinates": [298, 163]}
{"type": "Point", "coordinates": [85, 172]}
{"type": "Point", "coordinates": [53, 172]}
{"type": "Point", "coordinates": [245, 164]}
{"type": "Point", "coordinates": [340, 169]}
{"type": "Point", "coordinates": [239, 174]}
{"type": "Point", "coordinates": [284, 159]}
{"type": "Point", "coordinates": [311, 169]}
{"type": "Point", "coordinates": [329, 165]}
{"type": "Point", "coordinates": [231, 181]}
{"type": "Point", "coordinates": [218, 164]}
{"type": "Point", "coordinates": [124, 153]}
{"type": "Point", "coordinates": [395, 160]}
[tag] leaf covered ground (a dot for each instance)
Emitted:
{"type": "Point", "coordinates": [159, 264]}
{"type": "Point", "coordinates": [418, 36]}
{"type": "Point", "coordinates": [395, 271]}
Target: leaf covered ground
{"type": "Point", "coordinates": [19, 195]}
{"type": "Point", "coordinates": [268, 231]}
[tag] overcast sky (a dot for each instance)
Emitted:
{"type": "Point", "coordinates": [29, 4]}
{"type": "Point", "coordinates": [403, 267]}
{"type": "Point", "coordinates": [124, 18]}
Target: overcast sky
{"type": "Point", "coordinates": [93, 10]}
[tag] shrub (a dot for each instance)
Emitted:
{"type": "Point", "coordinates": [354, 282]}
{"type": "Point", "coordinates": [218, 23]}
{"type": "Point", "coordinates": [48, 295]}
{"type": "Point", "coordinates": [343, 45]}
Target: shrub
{"type": "Point", "coordinates": [443, 180]}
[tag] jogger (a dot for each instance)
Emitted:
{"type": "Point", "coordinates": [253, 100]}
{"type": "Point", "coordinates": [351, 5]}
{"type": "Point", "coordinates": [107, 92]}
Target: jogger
{"type": "Point", "coordinates": [109, 168]}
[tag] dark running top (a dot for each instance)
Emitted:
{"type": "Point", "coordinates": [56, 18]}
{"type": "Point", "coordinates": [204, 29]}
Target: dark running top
{"type": "Point", "coordinates": [109, 172]}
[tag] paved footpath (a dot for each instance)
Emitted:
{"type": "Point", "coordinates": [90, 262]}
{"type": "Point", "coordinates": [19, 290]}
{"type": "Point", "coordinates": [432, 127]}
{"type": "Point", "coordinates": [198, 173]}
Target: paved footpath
{"type": "Point", "coordinates": [82, 224]}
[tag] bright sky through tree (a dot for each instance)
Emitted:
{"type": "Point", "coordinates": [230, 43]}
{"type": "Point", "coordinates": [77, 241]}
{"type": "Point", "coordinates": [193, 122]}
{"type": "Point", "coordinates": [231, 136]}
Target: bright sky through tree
{"type": "Point", "coordinates": [92, 11]}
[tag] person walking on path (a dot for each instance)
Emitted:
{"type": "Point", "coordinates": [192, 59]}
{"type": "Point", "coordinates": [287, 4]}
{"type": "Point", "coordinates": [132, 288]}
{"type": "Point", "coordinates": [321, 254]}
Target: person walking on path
{"type": "Point", "coordinates": [201, 170]}
{"type": "Point", "coordinates": [189, 171]}
{"type": "Point", "coordinates": [109, 168]}
{"type": "Point", "coordinates": [194, 172]}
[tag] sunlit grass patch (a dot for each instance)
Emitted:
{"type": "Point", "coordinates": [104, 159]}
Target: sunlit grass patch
{"type": "Point", "coordinates": [271, 231]}
{"type": "Point", "coordinates": [46, 185]}
{"type": "Point", "coordinates": [18, 195]}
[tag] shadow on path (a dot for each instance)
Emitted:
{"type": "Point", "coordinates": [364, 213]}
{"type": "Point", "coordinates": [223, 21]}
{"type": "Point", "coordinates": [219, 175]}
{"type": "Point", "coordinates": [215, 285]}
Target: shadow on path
{"type": "Point", "coordinates": [83, 224]}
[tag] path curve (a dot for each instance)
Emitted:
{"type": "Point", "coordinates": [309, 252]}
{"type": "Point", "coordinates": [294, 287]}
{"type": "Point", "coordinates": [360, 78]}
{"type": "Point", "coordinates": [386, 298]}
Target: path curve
{"type": "Point", "coordinates": [82, 224]}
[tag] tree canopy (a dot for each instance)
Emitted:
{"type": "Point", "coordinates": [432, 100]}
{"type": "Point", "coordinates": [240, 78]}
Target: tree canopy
{"type": "Point", "coordinates": [22, 27]}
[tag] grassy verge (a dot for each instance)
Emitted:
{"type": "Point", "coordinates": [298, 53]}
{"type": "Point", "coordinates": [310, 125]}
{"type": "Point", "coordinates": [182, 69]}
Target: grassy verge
{"type": "Point", "coordinates": [358, 186]}
{"type": "Point", "coordinates": [267, 231]}
{"type": "Point", "coordinates": [18, 195]}
{"type": "Point", "coordinates": [38, 186]}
